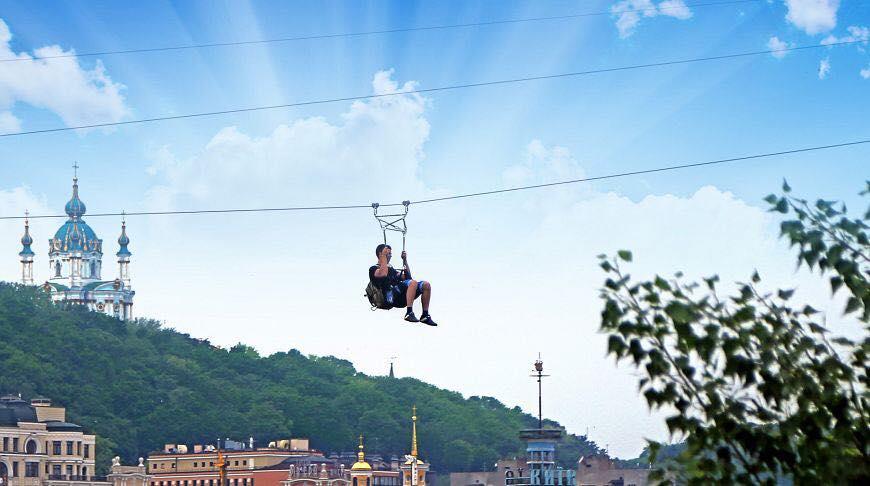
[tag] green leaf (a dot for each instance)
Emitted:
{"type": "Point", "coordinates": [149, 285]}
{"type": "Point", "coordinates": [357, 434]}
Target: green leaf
{"type": "Point", "coordinates": [781, 206]}
{"type": "Point", "coordinates": [852, 305]}
{"type": "Point", "coordinates": [624, 255]}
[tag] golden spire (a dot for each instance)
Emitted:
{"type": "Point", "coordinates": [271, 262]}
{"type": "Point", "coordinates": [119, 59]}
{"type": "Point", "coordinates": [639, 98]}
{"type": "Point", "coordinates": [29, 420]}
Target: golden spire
{"type": "Point", "coordinates": [361, 464]}
{"type": "Point", "coordinates": [221, 465]}
{"type": "Point", "coordinates": [414, 431]}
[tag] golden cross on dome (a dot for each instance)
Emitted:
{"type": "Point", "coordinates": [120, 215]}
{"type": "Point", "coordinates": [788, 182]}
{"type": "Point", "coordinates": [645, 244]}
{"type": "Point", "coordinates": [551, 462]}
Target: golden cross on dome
{"type": "Point", "coordinates": [75, 169]}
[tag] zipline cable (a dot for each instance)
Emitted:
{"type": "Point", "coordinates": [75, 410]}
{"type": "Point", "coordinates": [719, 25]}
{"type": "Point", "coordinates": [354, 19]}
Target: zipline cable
{"type": "Point", "coordinates": [432, 90]}
{"type": "Point", "coordinates": [468, 195]}
{"type": "Point", "coordinates": [373, 32]}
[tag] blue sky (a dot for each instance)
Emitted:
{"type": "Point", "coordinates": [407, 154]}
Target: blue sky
{"type": "Point", "coordinates": [291, 280]}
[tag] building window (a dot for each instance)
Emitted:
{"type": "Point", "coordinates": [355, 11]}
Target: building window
{"type": "Point", "coordinates": [69, 447]}
{"type": "Point", "coordinates": [5, 444]}
{"type": "Point", "coordinates": [14, 469]}
{"type": "Point", "coordinates": [69, 470]}
{"type": "Point", "coordinates": [30, 448]}
{"type": "Point", "coordinates": [78, 448]}
{"type": "Point", "coordinates": [245, 462]}
{"type": "Point", "coordinates": [87, 451]}
{"type": "Point", "coordinates": [237, 463]}
{"type": "Point", "coordinates": [85, 472]}
{"type": "Point", "coordinates": [46, 468]}
{"type": "Point", "coordinates": [355, 482]}
{"type": "Point", "coordinates": [195, 464]}
{"type": "Point", "coordinates": [55, 470]}
{"type": "Point", "coordinates": [154, 466]}
{"type": "Point", "coordinates": [15, 444]}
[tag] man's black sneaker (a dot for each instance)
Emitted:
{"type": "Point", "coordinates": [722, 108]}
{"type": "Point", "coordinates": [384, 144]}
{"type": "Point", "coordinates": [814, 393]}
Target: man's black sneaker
{"type": "Point", "coordinates": [427, 319]}
{"type": "Point", "coordinates": [410, 317]}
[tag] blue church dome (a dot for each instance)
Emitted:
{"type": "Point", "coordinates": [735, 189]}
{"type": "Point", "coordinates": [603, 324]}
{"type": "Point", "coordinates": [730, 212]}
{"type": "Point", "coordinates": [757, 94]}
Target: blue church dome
{"type": "Point", "coordinates": [124, 240]}
{"type": "Point", "coordinates": [75, 208]}
{"type": "Point", "coordinates": [75, 234]}
{"type": "Point", "coordinates": [26, 241]}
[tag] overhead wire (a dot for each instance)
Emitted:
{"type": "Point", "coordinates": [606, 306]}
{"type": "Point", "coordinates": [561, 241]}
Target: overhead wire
{"type": "Point", "coordinates": [371, 32]}
{"type": "Point", "coordinates": [430, 90]}
{"type": "Point", "coordinates": [468, 195]}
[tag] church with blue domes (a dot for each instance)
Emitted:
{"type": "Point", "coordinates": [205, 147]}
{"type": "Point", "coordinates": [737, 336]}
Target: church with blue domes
{"type": "Point", "coordinates": [75, 258]}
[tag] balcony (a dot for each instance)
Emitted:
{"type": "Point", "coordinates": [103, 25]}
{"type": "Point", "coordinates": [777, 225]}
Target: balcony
{"type": "Point", "coordinates": [77, 479]}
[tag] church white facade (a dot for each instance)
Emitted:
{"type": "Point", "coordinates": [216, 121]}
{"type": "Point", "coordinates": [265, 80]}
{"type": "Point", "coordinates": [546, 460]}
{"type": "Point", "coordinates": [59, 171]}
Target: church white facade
{"type": "Point", "coordinates": [75, 258]}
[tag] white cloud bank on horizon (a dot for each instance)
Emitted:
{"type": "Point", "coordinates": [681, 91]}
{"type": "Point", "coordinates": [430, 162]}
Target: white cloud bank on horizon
{"type": "Point", "coordinates": [628, 13]}
{"type": "Point", "coordinates": [78, 96]}
{"type": "Point", "coordinates": [812, 16]}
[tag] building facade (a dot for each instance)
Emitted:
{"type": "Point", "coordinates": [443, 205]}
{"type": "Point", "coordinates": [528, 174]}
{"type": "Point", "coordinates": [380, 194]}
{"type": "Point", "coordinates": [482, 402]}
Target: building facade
{"type": "Point", "coordinates": [38, 447]}
{"type": "Point", "coordinates": [284, 463]}
{"type": "Point", "coordinates": [75, 263]}
{"type": "Point", "coordinates": [601, 470]}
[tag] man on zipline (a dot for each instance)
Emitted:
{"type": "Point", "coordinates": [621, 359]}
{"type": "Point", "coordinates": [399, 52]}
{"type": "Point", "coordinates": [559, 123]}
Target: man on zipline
{"type": "Point", "coordinates": [399, 289]}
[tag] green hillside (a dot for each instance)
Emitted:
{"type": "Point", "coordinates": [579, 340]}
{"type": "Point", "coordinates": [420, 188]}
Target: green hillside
{"type": "Point", "coordinates": [138, 386]}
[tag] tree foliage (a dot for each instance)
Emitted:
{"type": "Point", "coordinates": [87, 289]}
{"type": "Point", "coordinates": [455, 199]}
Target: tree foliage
{"type": "Point", "coordinates": [753, 381]}
{"type": "Point", "coordinates": [139, 386]}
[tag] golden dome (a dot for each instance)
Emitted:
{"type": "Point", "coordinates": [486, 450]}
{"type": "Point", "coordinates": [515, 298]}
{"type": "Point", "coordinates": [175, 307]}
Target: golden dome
{"type": "Point", "coordinates": [361, 464]}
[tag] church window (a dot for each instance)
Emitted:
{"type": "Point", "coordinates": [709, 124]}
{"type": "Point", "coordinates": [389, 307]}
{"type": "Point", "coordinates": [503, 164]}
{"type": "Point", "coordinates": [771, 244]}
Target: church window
{"type": "Point", "coordinates": [93, 268]}
{"type": "Point", "coordinates": [57, 269]}
{"type": "Point", "coordinates": [355, 482]}
{"type": "Point", "coordinates": [30, 448]}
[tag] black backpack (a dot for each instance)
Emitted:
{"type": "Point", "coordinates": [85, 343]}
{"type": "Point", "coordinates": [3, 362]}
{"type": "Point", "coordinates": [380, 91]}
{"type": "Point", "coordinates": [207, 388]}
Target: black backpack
{"type": "Point", "coordinates": [376, 297]}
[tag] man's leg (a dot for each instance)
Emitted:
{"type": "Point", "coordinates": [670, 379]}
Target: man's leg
{"type": "Point", "coordinates": [427, 295]}
{"type": "Point", "coordinates": [411, 293]}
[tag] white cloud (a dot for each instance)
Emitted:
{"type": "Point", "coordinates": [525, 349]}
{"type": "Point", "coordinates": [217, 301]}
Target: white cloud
{"type": "Point", "coordinates": [857, 33]}
{"type": "Point", "coordinates": [865, 73]}
{"type": "Point", "coordinates": [9, 123]}
{"type": "Point", "coordinates": [824, 68]}
{"type": "Point", "coordinates": [774, 44]}
{"type": "Point", "coordinates": [813, 16]}
{"type": "Point", "coordinates": [375, 139]}
{"type": "Point", "coordinates": [629, 13]}
{"type": "Point", "coordinates": [78, 96]}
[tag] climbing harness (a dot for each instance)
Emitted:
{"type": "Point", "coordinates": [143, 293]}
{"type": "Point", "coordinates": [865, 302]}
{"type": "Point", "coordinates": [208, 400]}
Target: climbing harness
{"type": "Point", "coordinates": [393, 222]}
{"type": "Point", "coordinates": [387, 222]}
